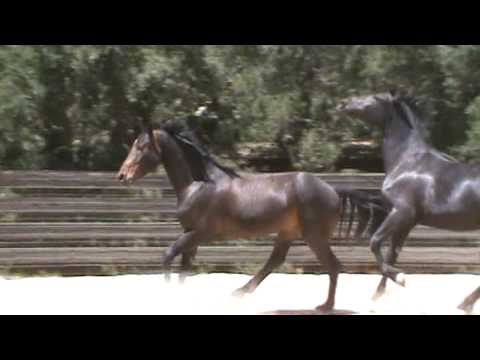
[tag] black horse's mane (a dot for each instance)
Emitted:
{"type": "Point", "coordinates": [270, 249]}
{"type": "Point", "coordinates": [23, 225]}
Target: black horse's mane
{"type": "Point", "coordinates": [408, 98]}
{"type": "Point", "coordinates": [198, 156]}
{"type": "Point", "coordinates": [407, 105]}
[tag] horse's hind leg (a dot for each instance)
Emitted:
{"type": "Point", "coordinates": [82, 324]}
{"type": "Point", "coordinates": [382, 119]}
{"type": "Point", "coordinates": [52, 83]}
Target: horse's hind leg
{"type": "Point", "coordinates": [470, 301]}
{"type": "Point", "coordinates": [318, 240]}
{"type": "Point", "coordinates": [277, 258]}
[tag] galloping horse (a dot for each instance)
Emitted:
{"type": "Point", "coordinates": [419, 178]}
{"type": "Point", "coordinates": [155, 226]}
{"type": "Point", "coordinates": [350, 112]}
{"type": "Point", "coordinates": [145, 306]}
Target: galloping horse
{"type": "Point", "coordinates": [423, 185]}
{"type": "Point", "coordinates": [370, 209]}
{"type": "Point", "coordinates": [291, 205]}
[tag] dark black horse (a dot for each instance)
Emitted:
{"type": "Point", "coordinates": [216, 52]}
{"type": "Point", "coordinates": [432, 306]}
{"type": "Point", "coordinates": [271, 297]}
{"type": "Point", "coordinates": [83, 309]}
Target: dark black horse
{"type": "Point", "coordinates": [423, 185]}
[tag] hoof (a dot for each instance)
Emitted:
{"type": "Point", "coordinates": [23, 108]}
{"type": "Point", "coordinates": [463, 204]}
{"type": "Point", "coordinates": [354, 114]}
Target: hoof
{"type": "Point", "coordinates": [467, 308]}
{"type": "Point", "coordinates": [182, 278]}
{"type": "Point", "coordinates": [401, 280]}
{"type": "Point", "coordinates": [239, 293]}
{"type": "Point", "coordinates": [168, 278]}
{"type": "Point", "coordinates": [378, 294]}
{"type": "Point", "coordinates": [325, 308]}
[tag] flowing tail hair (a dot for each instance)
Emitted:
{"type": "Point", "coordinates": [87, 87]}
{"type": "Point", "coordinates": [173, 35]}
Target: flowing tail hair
{"type": "Point", "coordinates": [370, 209]}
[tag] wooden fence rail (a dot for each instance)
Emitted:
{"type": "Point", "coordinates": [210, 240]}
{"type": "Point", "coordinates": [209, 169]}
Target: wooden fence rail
{"type": "Point", "coordinates": [77, 223]}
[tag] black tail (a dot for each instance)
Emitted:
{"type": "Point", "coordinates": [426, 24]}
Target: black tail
{"type": "Point", "coordinates": [347, 197]}
{"type": "Point", "coordinates": [345, 201]}
{"type": "Point", "coordinates": [370, 209]}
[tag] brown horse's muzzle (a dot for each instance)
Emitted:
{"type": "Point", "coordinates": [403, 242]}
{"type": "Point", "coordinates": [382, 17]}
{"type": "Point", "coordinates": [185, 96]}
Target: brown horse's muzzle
{"type": "Point", "coordinates": [121, 177]}
{"type": "Point", "coordinates": [126, 175]}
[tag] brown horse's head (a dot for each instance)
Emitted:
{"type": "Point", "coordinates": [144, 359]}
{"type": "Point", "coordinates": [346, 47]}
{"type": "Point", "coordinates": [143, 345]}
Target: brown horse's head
{"type": "Point", "coordinates": [144, 157]}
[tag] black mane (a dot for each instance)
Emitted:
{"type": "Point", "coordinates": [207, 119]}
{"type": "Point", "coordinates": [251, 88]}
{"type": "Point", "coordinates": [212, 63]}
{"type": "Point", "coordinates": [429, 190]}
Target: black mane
{"type": "Point", "coordinates": [407, 106]}
{"type": "Point", "coordinates": [200, 160]}
{"type": "Point", "coordinates": [407, 98]}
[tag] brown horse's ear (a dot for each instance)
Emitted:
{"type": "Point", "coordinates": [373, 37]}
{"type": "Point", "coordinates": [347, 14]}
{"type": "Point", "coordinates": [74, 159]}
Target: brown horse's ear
{"type": "Point", "coordinates": [150, 134]}
{"type": "Point", "coordinates": [146, 126]}
{"type": "Point", "coordinates": [149, 130]}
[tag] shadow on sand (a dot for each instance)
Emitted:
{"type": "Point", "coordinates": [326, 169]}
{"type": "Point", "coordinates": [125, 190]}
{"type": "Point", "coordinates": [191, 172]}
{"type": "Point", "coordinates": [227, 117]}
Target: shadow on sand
{"type": "Point", "coordinates": [309, 312]}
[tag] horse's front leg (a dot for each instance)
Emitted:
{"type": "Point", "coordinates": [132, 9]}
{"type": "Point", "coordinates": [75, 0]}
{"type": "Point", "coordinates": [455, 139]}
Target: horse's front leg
{"type": "Point", "coordinates": [398, 224]}
{"type": "Point", "coordinates": [392, 256]}
{"type": "Point", "coordinates": [186, 263]}
{"type": "Point", "coordinates": [184, 244]}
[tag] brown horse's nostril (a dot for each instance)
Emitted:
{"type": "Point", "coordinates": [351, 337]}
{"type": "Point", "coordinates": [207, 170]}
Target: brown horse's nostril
{"type": "Point", "coordinates": [121, 177]}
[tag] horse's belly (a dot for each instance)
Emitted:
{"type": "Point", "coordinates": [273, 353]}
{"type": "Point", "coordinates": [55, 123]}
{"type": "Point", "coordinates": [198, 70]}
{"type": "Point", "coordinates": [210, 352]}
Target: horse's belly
{"type": "Point", "coordinates": [257, 224]}
{"type": "Point", "coordinates": [453, 222]}
{"type": "Point", "coordinates": [455, 210]}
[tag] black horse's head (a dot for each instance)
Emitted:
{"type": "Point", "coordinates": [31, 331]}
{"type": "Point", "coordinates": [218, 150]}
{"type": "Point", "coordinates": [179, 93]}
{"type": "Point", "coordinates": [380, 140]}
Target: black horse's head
{"type": "Point", "coordinates": [372, 109]}
{"type": "Point", "coordinates": [380, 109]}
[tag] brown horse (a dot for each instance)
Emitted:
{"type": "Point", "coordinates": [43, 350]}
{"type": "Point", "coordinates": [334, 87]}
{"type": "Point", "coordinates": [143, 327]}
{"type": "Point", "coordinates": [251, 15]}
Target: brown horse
{"type": "Point", "coordinates": [290, 205]}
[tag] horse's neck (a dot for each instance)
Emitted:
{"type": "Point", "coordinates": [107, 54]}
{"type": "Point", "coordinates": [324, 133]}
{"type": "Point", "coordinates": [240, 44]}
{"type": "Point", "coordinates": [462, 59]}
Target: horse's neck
{"type": "Point", "coordinates": [175, 165]}
{"type": "Point", "coordinates": [215, 173]}
{"type": "Point", "coordinates": [401, 142]}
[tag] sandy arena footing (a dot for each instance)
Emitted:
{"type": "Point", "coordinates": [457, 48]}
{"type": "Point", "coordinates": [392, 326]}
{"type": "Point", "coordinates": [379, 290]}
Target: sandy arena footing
{"type": "Point", "coordinates": [210, 294]}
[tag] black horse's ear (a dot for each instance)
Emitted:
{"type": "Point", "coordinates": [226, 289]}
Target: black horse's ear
{"type": "Point", "coordinates": [410, 94]}
{"type": "Point", "coordinates": [393, 93]}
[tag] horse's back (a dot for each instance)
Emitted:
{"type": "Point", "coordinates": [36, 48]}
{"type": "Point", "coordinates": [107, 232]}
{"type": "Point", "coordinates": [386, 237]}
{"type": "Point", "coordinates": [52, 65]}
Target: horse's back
{"type": "Point", "coordinates": [297, 186]}
{"type": "Point", "coordinates": [319, 207]}
{"type": "Point", "coordinates": [274, 203]}
{"type": "Point", "coordinates": [311, 189]}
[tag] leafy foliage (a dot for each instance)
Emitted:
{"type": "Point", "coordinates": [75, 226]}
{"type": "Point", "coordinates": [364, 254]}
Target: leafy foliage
{"type": "Point", "coordinates": [80, 106]}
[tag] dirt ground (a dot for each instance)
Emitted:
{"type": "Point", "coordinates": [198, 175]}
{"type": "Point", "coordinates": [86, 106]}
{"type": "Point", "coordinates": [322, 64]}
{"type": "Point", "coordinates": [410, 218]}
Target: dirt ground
{"type": "Point", "coordinates": [210, 294]}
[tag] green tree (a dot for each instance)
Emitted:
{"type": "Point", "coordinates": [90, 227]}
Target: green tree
{"type": "Point", "coordinates": [80, 106]}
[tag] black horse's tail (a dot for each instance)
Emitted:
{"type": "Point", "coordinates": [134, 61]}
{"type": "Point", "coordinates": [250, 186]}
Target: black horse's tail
{"type": "Point", "coordinates": [349, 207]}
{"type": "Point", "coordinates": [366, 207]}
